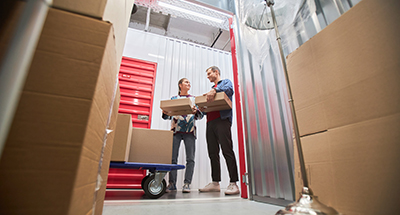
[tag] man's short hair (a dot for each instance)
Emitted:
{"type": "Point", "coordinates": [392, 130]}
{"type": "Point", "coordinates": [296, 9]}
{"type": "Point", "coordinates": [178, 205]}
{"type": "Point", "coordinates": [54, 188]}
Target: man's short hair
{"type": "Point", "coordinates": [214, 68]}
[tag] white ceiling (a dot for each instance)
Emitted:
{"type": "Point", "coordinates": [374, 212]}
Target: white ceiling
{"type": "Point", "coordinates": [183, 26]}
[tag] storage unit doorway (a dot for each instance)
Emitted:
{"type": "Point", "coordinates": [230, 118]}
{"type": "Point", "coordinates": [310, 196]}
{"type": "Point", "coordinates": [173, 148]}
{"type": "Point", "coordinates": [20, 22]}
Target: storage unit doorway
{"type": "Point", "coordinates": [177, 59]}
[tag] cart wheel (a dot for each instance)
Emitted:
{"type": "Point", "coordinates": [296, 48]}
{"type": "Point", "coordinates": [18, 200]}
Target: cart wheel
{"type": "Point", "coordinates": [143, 180]}
{"type": "Point", "coordinates": [153, 191]}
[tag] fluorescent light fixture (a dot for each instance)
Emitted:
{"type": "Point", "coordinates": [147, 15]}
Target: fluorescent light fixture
{"type": "Point", "coordinates": [162, 4]}
{"type": "Point", "coordinates": [157, 56]}
{"type": "Point", "coordinates": [216, 11]}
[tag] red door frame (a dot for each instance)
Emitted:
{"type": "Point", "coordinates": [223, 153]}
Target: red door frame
{"type": "Point", "coordinates": [242, 157]}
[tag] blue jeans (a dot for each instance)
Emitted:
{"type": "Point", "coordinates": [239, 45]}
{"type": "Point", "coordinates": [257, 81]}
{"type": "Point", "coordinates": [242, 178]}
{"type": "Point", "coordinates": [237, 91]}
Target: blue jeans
{"type": "Point", "coordinates": [190, 147]}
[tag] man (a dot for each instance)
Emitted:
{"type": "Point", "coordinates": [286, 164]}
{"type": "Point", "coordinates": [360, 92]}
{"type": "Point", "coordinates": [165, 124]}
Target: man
{"type": "Point", "coordinates": [218, 134]}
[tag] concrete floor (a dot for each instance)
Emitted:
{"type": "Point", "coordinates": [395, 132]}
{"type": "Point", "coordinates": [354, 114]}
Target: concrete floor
{"type": "Point", "coordinates": [124, 202]}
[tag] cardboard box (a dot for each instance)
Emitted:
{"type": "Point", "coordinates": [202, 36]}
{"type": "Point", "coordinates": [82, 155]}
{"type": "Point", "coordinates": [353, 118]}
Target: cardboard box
{"type": "Point", "coordinates": [50, 162]}
{"type": "Point", "coordinates": [117, 12]}
{"type": "Point", "coordinates": [348, 72]}
{"type": "Point", "coordinates": [221, 102]}
{"type": "Point", "coordinates": [122, 139]}
{"type": "Point", "coordinates": [177, 106]}
{"type": "Point", "coordinates": [348, 167]}
{"type": "Point", "coordinates": [105, 163]}
{"type": "Point", "coordinates": [96, 8]}
{"type": "Point", "coordinates": [347, 98]}
{"type": "Point", "coordinates": [151, 146]}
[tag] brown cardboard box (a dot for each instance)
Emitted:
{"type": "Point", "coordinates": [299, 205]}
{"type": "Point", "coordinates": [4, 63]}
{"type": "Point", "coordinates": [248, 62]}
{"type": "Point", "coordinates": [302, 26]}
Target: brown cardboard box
{"type": "Point", "coordinates": [347, 97]}
{"type": "Point", "coordinates": [105, 163]}
{"type": "Point", "coordinates": [151, 146]}
{"type": "Point", "coordinates": [95, 8]}
{"type": "Point", "coordinates": [221, 102]}
{"type": "Point", "coordinates": [348, 167]}
{"type": "Point", "coordinates": [118, 12]}
{"type": "Point", "coordinates": [348, 72]}
{"type": "Point", "coordinates": [122, 139]}
{"type": "Point", "coordinates": [177, 106]}
{"type": "Point", "coordinates": [50, 162]}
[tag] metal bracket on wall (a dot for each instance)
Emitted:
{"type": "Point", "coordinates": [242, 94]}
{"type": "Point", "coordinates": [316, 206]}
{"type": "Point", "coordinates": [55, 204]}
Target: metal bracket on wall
{"type": "Point", "coordinates": [219, 34]}
{"type": "Point", "coordinates": [245, 178]}
{"type": "Point", "coordinates": [143, 117]}
{"type": "Point", "coordinates": [147, 20]}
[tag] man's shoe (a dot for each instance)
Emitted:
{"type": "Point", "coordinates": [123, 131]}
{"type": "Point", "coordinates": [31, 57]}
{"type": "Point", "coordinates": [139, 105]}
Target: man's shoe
{"type": "Point", "coordinates": [211, 187]}
{"type": "Point", "coordinates": [170, 187]}
{"type": "Point", "coordinates": [232, 189]}
{"type": "Point", "coordinates": [186, 188]}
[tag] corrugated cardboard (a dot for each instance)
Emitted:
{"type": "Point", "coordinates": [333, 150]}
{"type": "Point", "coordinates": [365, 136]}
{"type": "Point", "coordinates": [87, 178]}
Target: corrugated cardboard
{"type": "Point", "coordinates": [122, 139]}
{"type": "Point", "coordinates": [117, 12]}
{"type": "Point", "coordinates": [105, 163]}
{"type": "Point", "coordinates": [96, 8]}
{"type": "Point", "coordinates": [356, 168]}
{"type": "Point", "coordinates": [221, 102]}
{"type": "Point", "coordinates": [177, 106]}
{"type": "Point", "coordinates": [347, 97]}
{"type": "Point", "coordinates": [348, 72]}
{"type": "Point", "coordinates": [151, 146]}
{"type": "Point", "coordinates": [50, 161]}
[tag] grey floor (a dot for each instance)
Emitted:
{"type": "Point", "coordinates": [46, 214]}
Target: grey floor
{"type": "Point", "coordinates": [178, 203]}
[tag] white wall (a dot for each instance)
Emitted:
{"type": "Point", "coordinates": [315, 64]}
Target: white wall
{"type": "Point", "coordinates": [177, 59]}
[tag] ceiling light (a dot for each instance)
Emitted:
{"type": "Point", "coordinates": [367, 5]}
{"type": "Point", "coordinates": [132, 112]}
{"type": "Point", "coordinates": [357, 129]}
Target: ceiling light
{"type": "Point", "coordinates": [206, 8]}
{"type": "Point", "coordinates": [162, 4]}
{"type": "Point", "coordinates": [157, 56]}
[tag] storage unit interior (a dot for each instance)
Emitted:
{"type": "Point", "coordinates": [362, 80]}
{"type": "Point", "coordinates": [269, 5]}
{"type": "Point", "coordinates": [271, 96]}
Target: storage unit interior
{"type": "Point", "coordinates": [349, 137]}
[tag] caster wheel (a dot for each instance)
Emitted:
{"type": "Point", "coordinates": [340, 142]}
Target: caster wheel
{"type": "Point", "coordinates": [152, 190]}
{"type": "Point", "coordinates": [144, 179]}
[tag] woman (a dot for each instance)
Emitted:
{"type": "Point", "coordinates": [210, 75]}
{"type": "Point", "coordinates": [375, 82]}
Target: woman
{"type": "Point", "coordinates": [184, 129]}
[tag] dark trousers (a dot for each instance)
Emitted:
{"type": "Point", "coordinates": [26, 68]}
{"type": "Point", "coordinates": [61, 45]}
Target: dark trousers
{"type": "Point", "coordinates": [218, 134]}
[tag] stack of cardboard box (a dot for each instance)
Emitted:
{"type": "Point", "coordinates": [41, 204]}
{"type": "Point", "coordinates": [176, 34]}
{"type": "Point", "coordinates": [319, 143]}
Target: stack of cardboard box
{"type": "Point", "coordinates": [141, 145]}
{"type": "Point", "coordinates": [345, 83]}
{"type": "Point", "coordinates": [56, 156]}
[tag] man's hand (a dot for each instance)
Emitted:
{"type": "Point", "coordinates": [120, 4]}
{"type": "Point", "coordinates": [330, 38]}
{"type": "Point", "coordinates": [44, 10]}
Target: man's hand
{"type": "Point", "coordinates": [194, 109]}
{"type": "Point", "coordinates": [201, 109]}
{"type": "Point", "coordinates": [210, 95]}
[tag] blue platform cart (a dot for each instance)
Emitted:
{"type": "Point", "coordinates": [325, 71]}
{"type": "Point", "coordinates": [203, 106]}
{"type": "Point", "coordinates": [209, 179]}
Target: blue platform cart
{"type": "Point", "coordinates": [154, 184]}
